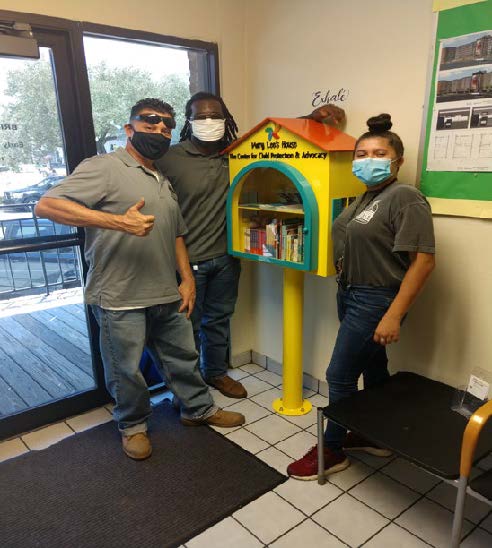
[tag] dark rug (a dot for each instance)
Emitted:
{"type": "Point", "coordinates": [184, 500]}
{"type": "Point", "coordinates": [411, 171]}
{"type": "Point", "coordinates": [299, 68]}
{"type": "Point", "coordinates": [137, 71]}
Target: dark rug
{"type": "Point", "coordinates": [84, 492]}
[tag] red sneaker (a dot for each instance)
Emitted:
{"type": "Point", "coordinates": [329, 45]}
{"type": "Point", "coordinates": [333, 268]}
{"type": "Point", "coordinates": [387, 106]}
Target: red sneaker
{"type": "Point", "coordinates": [353, 442]}
{"type": "Point", "coordinates": [307, 467]}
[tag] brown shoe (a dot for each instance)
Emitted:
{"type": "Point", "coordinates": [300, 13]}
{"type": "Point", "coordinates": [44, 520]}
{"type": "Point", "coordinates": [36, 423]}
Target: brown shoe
{"type": "Point", "coordinates": [223, 419]}
{"type": "Point", "coordinates": [138, 446]}
{"type": "Point", "coordinates": [229, 387]}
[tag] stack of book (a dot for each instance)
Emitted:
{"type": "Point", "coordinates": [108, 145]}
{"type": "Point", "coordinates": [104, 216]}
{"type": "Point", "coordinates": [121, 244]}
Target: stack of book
{"type": "Point", "coordinates": [281, 239]}
{"type": "Point", "coordinates": [254, 240]}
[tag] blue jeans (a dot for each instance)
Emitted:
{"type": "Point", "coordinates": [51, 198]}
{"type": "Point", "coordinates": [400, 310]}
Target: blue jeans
{"type": "Point", "coordinates": [217, 282]}
{"type": "Point", "coordinates": [360, 310]}
{"type": "Point", "coordinates": [169, 339]}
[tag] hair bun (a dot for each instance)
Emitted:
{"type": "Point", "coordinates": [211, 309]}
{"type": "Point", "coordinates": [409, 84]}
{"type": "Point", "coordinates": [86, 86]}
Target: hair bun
{"type": "Point", "coordinates": [380, 123]}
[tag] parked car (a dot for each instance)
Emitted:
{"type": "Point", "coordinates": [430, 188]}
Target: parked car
{"type": "Point", "coordinates": [31, 194]}
{"type": "Point", "coordinates": [26, 271]}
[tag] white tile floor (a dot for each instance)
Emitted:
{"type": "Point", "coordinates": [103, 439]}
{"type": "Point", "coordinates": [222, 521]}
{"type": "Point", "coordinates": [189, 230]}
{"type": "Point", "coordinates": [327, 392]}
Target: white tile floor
{"type": "Point", "coordinates": [377, 503]}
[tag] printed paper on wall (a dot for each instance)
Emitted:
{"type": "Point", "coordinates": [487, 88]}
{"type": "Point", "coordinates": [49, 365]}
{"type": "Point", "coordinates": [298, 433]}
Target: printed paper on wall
{"type": "Point", "coordinates": [461, 127]}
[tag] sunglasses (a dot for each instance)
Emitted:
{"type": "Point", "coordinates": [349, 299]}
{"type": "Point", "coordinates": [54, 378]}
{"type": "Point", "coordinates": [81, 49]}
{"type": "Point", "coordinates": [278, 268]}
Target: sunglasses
{"type": "Point", "coordinates": [154, 119]}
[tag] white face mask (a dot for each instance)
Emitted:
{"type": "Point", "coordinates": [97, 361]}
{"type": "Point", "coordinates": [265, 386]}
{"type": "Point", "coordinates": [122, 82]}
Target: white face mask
{"type": "Point", "coordinates": [208, 129]}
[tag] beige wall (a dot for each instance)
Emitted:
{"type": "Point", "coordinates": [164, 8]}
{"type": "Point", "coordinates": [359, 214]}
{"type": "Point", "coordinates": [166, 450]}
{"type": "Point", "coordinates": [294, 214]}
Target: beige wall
{"type": "Point", "coordinates": [378, 50]}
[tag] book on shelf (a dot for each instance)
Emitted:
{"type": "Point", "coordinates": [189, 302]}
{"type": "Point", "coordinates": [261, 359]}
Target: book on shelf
{"type": "Point", "coordinates": [254, 240]}
{"type": "Point", "coordinates": [271, 244]}
{"type": "Point", "coordinates": [247, 238]}
{"type": "Point", "coordinates": [281, 239]}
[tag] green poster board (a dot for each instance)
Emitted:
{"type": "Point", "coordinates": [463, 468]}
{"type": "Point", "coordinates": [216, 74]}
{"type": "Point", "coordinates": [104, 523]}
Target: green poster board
{"type": "Point", "coordinates": [456, 185]}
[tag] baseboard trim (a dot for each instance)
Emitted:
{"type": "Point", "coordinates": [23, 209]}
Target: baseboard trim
{"type": "Point", "coordinates": [308, 381]}
{"type": "Point", "coordinates": [241, 359]}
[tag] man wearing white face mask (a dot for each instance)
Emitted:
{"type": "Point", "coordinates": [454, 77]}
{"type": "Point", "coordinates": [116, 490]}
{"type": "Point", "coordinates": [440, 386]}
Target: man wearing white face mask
{"type": "Point", "coordinates": [200, 177]}
{"type": "Point", "coordinates": [199, 174]}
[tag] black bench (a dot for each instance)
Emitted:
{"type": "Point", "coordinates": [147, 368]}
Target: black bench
{"type": "Point", "coordinates": [411, 416]}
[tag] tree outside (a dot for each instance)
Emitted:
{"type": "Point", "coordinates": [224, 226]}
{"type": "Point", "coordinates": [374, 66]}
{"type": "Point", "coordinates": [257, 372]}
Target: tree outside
{"type": "Point", "coordinates": [115, 90]}
{"type": "Point", "coordinates": [33, 111]}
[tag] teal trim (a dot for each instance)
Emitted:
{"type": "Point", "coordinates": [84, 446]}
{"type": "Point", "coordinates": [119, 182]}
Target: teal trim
{"type": "Point", "coordinates": [271, 260]}
{"type": "Point", "coordinates": [336, 208]}
{"type": "Point", "coordinates": [311, 216]}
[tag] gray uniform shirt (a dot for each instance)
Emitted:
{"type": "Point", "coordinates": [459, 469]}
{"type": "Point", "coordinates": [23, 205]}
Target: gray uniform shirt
{"type": "Point", "coordinates": [201, 183]}
{"type": "Point", "coordinates": [376, 232]}
{"type": "Point", "coordinates": [126, 271]}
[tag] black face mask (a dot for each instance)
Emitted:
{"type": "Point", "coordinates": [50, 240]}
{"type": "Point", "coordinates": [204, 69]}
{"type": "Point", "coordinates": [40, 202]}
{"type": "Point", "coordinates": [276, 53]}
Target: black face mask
{"type": "Point", "coordinates": [150, 145]}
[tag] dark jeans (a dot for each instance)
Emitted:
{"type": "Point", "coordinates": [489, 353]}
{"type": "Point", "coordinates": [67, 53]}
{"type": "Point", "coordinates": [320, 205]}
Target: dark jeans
{"type": "Point", "coordinates": [217, 282]}
{"type": "Point", "coordinates": [360, 310]}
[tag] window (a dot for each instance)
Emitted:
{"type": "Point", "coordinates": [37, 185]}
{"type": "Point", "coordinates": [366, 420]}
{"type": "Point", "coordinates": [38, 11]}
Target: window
{"type": "Point", "coordinates": [123, 71]}
{"type": "Point", "coordinates": [55, 111]}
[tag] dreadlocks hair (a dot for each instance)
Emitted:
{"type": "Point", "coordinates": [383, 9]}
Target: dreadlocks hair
{"type": "Point", "coordinates": [231, 128]}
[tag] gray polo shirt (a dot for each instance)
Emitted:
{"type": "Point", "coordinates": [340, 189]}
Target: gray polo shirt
{"type": "Point", "coordinates": [375, 234]}
{"type": "Point", "coordinates": [126, 271]}
{"type": "Point", "coordinates": [201, 183]}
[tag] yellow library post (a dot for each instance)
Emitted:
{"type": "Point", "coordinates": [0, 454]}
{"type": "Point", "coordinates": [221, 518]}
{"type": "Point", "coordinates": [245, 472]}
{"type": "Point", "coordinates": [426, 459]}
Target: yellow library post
{"type": "Point", "coordinates": [290, 178]}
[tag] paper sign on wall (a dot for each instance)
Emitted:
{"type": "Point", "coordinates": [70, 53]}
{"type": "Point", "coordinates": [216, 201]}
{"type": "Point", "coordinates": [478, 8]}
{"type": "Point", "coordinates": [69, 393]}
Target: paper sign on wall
{"type": "Point", "coordinates": [461, 130]}
{"type": "Point", "coordinates": [457, 160]}
{"type": "Point", "coordinates": [478, 387]}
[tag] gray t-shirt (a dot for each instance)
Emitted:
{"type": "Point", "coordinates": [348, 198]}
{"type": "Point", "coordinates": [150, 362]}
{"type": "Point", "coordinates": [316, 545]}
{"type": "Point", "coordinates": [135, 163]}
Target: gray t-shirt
{"type": "Point", "coordinates": [375, 234]}
{"type": "Point", "coordinates": [126, 271]}
{"type": "Point", "coordinates": [201, 183]}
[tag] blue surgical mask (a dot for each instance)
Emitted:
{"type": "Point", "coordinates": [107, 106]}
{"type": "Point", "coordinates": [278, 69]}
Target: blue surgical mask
{"type": "Point", "coordinates": [372, 171]}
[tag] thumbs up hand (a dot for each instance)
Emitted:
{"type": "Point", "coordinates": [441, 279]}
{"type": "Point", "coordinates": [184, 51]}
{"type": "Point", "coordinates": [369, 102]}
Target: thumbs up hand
{"type": "Point", "coordinates": [135, 222]}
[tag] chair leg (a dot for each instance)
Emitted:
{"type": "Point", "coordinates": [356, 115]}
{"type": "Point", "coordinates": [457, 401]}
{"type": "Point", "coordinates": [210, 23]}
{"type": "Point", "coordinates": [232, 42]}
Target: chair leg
{"type": "Point", "coordinates": [458, 512]}
{"type": "Point", "coordinates": [321, 447]}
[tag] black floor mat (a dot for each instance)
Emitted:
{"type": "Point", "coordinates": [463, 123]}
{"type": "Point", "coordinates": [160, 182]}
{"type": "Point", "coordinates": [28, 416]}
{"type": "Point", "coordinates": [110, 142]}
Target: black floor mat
{"type": "Point", "coordinates": [84, 492]}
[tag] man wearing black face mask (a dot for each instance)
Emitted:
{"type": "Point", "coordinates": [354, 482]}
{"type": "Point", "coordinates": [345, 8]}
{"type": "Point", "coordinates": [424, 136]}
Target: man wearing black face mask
{"type": "Point", "coordinates": [131, 285]}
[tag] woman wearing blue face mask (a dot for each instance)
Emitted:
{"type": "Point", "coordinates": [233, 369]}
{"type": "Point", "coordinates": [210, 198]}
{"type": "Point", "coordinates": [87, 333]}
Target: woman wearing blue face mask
{"type": "Point", "coordinates": [383, 246]}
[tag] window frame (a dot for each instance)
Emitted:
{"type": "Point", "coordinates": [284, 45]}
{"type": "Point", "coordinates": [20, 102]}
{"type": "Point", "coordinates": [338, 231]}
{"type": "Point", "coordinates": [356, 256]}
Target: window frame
{"type": "Point", "coordinates": [78, 131]}
{"type": "Point", "coordinates": [96, 30]}
{"type": "Point", "coordinates": [80, 113]}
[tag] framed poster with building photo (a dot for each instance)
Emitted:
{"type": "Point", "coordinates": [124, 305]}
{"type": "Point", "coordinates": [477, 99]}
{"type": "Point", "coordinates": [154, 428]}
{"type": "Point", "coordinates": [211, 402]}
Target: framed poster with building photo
{"type": "Point", "coordinates": [457, 158]}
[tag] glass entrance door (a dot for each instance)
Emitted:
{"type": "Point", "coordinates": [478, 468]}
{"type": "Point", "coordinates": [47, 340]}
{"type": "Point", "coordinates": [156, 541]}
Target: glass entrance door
{"type": "Point", "coordinates": [47, 369]}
